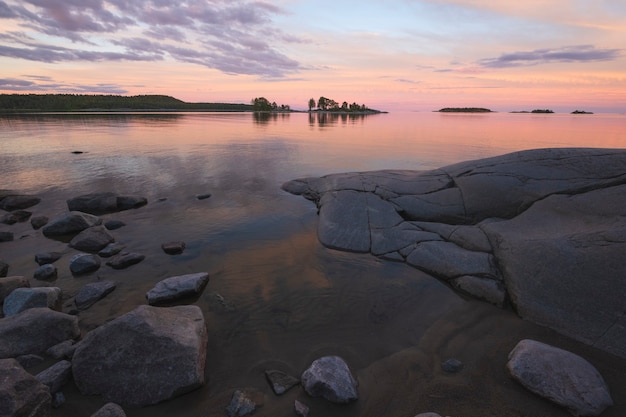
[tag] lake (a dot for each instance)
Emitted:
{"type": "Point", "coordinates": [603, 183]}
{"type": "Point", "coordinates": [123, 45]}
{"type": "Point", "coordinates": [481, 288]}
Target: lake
{"type": "Point", "coordinates": [276, 298]}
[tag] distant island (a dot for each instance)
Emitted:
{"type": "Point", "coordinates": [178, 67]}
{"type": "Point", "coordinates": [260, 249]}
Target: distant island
{"type": "Point", "coordinates": [542, 111]}
{"type": "Point", "coordinates": [21, 103]}
{"type": "Point", "coordinates": [581, 112]}
{"type": "Point", "coordinates": [464, 110]}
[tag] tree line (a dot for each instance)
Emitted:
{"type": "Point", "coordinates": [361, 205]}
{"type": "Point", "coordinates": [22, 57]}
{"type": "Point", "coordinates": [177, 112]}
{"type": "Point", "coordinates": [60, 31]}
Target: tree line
{"type": "Point", "coordinates": [263, 104]}
{"type": "Point", "coordinates": [328, 104]}
{"type": "Point", "coordinates": [83, 102]}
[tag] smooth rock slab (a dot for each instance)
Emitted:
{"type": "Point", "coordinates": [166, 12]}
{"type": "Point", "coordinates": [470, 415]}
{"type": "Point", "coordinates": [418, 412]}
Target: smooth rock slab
{"type": "Point", "coordinates": [70, 224]}
{"type": "Point", "coordinates": [21, 394]}
{"type": "Point", "coordinates": [93, 292]}
{"type": "Point", "coordinates": [35, 330]}
{"type": "Point", "coordinates": [146, 356]}
{"type": "Point", "coordinates": [560, 376]}
{"type": "Point", "coordinates": [92, 239]}
{"type": "Point", "coordinates": [329, 377]}
{"type": "Point", "coordinates": [178, 287]}
{"type": "Point", "coordinates": [448, 260]}
{"type": "Point", "coordinates": [22, 299]}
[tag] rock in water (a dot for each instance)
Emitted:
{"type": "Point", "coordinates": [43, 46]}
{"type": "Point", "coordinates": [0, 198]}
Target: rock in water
{"type": "Point", "coordinates": [46, 272]}
{"type": "Point", "coordinates": [70, 224]}
{"type": "Point", "coordinates": [24, 298]}
{"type": "Point", "coordinates": [280, 381]}
{"type": "Point", "coordinates": [101, 203]}
{"type": "Point", "coordinates": [146, 356]}
{"type": "Point", "coordinates": [18, 202]}
{"type": "Point", "coordinates": [93, 292]}
{"type": "Point", "coordinates": [244, 402]}
{"type": "Point", "coordinates": [329, 377]}
{"type": "Point", "coordinates": [125, 259]}
{"type": "Point", "coordinates": [92, 239]}
{"type": "Point", "coordinates": [84, 263]}
{"type": "Point", "coordinates": [560, 376]}
{"type": "Point", "coordinates": [21, 393]}
{"type": "Point", "coordinates": [178, 287]}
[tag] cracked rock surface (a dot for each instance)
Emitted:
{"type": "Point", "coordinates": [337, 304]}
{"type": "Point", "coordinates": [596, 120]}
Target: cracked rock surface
{"type": "Point", "coordinates": [543, 230]}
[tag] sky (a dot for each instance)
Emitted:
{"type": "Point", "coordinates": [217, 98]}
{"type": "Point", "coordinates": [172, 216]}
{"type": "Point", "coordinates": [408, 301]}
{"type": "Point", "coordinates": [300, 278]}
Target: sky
{"type": "Point", "coordinates": [414, 55]}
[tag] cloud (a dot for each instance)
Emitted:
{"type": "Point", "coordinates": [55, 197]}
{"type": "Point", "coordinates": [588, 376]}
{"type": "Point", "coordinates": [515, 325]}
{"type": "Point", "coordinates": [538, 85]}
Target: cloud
{"type": "Point", "coordinates": [46, 84]}
{"type": "Point", "coordinates": [579, 53]}
{"type": "Point", "coordinates": [233, 36]}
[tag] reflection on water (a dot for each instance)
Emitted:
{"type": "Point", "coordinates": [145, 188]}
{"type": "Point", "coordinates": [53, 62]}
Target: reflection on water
{"type": "Point", "coordinates": [276, 298]}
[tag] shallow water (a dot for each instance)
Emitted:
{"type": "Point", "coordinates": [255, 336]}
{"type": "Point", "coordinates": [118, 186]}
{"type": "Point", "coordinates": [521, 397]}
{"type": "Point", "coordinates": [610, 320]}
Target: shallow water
{"type": "Point", "coordinates": [276, 297]}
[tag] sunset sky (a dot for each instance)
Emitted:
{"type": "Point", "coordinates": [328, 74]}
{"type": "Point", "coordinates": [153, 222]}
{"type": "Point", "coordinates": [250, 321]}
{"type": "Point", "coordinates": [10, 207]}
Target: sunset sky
{"type": "Point", "coordinates": [391, 55]}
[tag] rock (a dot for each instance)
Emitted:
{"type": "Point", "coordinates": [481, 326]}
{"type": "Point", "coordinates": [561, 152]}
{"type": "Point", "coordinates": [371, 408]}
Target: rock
{"type": "Point", "coordinates": [102, 203]}
{"type": "Point", "coordinates": [46, 272]}
{"type": "Point", "coordinates": [111, 249]}
{"type": "Point", "coordinates": [177, 287]}
{"type": "Point", "coordinates": [486, 289]}
{"type": "Point", "coordinates": [84, 263]}
{"type": "Point", "coordinates": [114, 224]}
{"type": "Point", "coordinates": [6, 236]}
{"type": "Point", "coordinates": [28, 361]}
{"type": "Point", "coordinates": [301, 409]}
{"type": "Point", "coordinates": [37, 222]}
{"type": "Point", "coordinates": [8, 284]}
{"type": "Point", "coordinates": [173, 248]}
{"type": "Point", "coordinates": [56, 376]}
{"type": "Point", "coordinates": [280, 381]}
{"type": "Point", "coordinates": [329, 377]}
{"type": "Point", "coordinates": [21, 393]}
{"type": "Point", "coordinates": [4, 269]}
{"type": "Point", "coordinates": [18, 202]}
{"type": "Point", "coordinates": [17, 216]}
{"type": "Point", "coordinates": [203, 196]}
{"type": "Point", "coordinates": [92, 239]}
{"type": "Point", "coordinates": [35, 330]}
{"type": "Point", "coordinates": [124, 260]}
{"type": "Point", "coordinates": [70, 224]}
{"type": "Point", "coordinates": [110, 410]}
{"type": "Point", "coordinates": [93, 292]}
{"type": "Point", "coordinates": [22, 299]}
{"type": "Point", "coordinates": [244, 402]}
{"type": "Point", "coordinates": [448, 260]}
{"type": "Point", "coordinates": [62, 350]}
{"type": "Point", "coordinates": [560, 376]}
{"type": "Point", "coordinates": [146, 356]}
{"type": "Point", "coordinates": [343, 222]}
{"type": "Point", "coordinates": [452, 365]}
{"type": "Point", "coordinates": [47, 257]}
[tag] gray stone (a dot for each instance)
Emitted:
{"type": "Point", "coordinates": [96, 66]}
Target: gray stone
{"type": "Point", "coordinates": [244, 402]}
{"type": "Point", "coordinates": [125, 259]}
{"type": "Point", "coordinates": [47, 257]}
{"type": "Point", "coordinates": [114, 224]}
{"type": "Point", "coordinates": [22, 299]}
{"type": "Point", "coordinates": [46, 272]}
{"type": "Point", "coordinates": [35, 330]}
{"type": "Point", "coordinates": [146, 356]}
{"type": "Point", "coordinates": [486, 289]}
{"type": "Point", "coordinates": [62, 350]}
{"type": "Point", "coordinates": [177, 287]}
{"type": "Point", "coordinates": [18, 202]}
{"type": "Point", "coordinates": [280, 381]}
{"type": "Point", "coordinates": [560, 376]}
{"type": "Point", "coordinates": [8, 284]}
{"type": "Point", "coordinates": [101, 203]}
{"type": "Point", "coordinates": [37, 222]}
{"type": "Point", "coordinates": [21, 394]}
{"type": "Point", "coordinates": [329, 377]}
{"type": "Point", "coordinates": [56, 376]}
{"type": "Point", "coordinates": [70, 224]}
{"type": "Point", "coordinates": [111, 249]}
{"type": "Point", "coordinates": [447, 260]}
{"type": "Point", "coordinates": [110, 410]}
{"type": "Point", "coordinates": [173, 248]}
{"type": "Point", "coordinates": [84, 263]}
{"type": "Point", "coordinates": [93, 292]}
{"type": "Point", "coordinates": [30, 360]}
{"type": "Point", "coordinates": [92, 239]}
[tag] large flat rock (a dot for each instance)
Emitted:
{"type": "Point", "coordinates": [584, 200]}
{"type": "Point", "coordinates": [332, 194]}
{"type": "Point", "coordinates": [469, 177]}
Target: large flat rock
{"type": "Point", "coordinates": [542, 229]}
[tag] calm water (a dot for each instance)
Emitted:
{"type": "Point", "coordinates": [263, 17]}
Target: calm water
{"type": "Point", "coordinates": [276, 298]}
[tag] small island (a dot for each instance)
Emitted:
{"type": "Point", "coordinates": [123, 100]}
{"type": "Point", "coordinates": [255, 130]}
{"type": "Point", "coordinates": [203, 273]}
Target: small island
{"type": "Point", "coordinates": [547, 111]}
{"type": "Point", "coordinates": [464, 110]}
{"type": "Point", "coordinates": [581, 112]}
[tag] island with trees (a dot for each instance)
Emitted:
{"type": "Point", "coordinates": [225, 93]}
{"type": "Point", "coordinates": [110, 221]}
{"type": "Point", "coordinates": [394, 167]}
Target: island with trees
{"type": "Point", "coordinates": [464, 110]}
{"type": "Point", "coordinates": [581, 112]}
{"type": "Point", "coordinates": [324, 104]}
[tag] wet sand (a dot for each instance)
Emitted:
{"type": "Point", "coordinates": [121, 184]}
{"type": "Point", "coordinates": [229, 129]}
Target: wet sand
{"type": "Point", "coordinates": [277, 299]}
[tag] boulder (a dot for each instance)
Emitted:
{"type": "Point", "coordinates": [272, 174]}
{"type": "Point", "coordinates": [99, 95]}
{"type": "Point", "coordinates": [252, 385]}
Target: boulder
{"type": "Point", "coordinates": [70, 224]}
{"type": "Point", "coordinates": [46, 272]}
{"type": "Point", "coordinates": [329, 377]}
{"type": "Point", "coordinates": [559, 376]}
{"type": "Point", "coordinates": [93, 292]}
{"type": "Point", "coordinates": [102, 203]}
{"type": "Point", "coordinates": [22, 299]}
{"type": "Point", "coordinates": [8, 284]}
{"type": "Point", "coordinates": [35, 330]}
{"type": "Point", "coordinates": [125, 259]}
{"type": "Point", "coordinates": [178, 287]}
{"type": "Point", "coordinates": [56, 376]}
{"type": "Point", "coordinates": [110, 410]}
{"type": "Point", "coordinates": [47, 257]}
{"type": "Point", "coordinates": [84, 263]}
{"type": "Point", "coordinates": [21, 394]}
{"type": "Point", "coordinates": [92, 239]}
{"type": "Point", "coordinates": [146, 356]}
{"type": "Point", "coordinates": [18, 202]}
